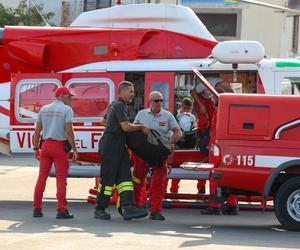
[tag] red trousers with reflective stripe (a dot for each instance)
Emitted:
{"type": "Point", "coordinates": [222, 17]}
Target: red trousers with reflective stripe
{"type": "Point", "coordinates": [52, 152]}
{"type": "Point", "coordinates": [157, 184]}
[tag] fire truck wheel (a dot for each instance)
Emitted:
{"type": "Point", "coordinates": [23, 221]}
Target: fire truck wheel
{"type": "Point", "coordinates": [287, 204]}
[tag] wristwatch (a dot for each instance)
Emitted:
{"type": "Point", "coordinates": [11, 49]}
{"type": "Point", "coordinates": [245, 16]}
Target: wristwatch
{"type": "Point", "coordinates": [35, 149]}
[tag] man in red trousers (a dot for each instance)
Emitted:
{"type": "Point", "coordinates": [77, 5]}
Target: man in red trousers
{"type": "Point", "coordinates": [155, 117]}
{"type": "Point", "coordinates": [55, 120]}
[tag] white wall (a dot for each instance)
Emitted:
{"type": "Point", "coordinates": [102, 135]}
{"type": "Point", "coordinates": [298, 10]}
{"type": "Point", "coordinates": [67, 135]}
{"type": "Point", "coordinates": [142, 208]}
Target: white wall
{"type": "Point", "coordinates": [267, 26]}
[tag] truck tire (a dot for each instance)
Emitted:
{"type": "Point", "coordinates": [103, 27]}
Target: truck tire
{"type": "Point", "coordinates": [287, 204]}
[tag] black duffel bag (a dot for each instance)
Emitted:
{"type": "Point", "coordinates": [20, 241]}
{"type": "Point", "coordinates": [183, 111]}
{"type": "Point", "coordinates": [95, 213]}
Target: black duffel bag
{"type": "Point", "coordinates": [152, 148]}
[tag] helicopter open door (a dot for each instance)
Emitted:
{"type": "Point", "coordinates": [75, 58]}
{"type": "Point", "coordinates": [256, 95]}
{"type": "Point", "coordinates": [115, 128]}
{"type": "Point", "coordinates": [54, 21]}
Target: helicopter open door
{"type": "Point", "coordinates": [93, 93]}
{"type": "Point", "coordinates": [206, 83]}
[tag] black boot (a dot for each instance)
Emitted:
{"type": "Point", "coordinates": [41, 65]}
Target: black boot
{"type": "Point", "coordinates": [131, 212]}
{"type": "Point", "coordinates": [101, 214]}
{"type": "Point", "coordinates": [64, 214]}
{"type": "Point", "coordinates": [201, 190]}
{"type": "Point", "coordinates": [37, 212]}
{"type": "Point", "coordinates": [211, 211]}
{"type": "Point", "coordinates": [156, 216]}
{"type": "Point", "coordinates": [230, 210]}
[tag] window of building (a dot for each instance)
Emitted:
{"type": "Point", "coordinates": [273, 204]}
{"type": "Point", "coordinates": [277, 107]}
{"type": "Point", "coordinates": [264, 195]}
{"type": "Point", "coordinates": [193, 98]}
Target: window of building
{"type": "Point", "coordinates": [220, 24]}
{"type": "Point", "coordinates": [295, 40]}
{"type": "Point", "coordinates": [223, 24]}
{"type": "Point", "coordinates": [96, 4]}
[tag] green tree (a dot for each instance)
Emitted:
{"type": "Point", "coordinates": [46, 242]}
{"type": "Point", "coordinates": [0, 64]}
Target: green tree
{"type": "Point", "coordinates": [23, 15]}
{"type": "Point", "coordinates": [7, 17]}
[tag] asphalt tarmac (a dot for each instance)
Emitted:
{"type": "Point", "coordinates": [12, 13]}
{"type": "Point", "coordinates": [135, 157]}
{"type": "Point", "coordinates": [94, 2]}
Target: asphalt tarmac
{"type": "Point", "coordinates": [183, 228]}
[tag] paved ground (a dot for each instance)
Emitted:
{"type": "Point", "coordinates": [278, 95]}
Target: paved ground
{"type": "Point", "coordinates": [184, 228]}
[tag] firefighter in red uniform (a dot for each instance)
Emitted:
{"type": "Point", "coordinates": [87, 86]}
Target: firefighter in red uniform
{"type": "Point", "coordinates": [55, 120]}
{"type": "Point", "coordinates": [165, 123]}
{"type": "Point", "coordinates": [204, 108]}
{"type": "Point", "coordinates": [208, 111]}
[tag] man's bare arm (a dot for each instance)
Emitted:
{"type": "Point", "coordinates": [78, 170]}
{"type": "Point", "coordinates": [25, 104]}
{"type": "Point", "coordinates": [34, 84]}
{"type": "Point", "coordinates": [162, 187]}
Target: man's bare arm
{"type": "Point", "coordinates": [129, 127]}
{"type": "Point", "coordinates": [177, 134]}
{"type": "Point", "coordinates": [37, 134]}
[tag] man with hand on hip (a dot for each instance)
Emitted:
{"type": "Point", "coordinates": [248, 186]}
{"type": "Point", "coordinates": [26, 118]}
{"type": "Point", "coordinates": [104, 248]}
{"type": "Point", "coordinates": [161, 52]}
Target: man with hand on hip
{"type": "Point", "coordinates": [55, 120]}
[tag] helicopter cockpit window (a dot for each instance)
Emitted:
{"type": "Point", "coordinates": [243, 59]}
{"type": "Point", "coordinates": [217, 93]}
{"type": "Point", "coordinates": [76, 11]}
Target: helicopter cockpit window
{"type": "Point", "coordinates": [290, 86]}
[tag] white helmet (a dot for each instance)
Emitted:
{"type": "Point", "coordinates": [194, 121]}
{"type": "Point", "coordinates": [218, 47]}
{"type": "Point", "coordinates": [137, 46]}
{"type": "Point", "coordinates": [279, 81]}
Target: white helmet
{"type": "Point", "coordinates": [213, 80]}
{"type": "Point", "coordinates": [185, 122]}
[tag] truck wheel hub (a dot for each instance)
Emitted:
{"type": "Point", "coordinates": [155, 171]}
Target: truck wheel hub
{"type": "Point", "coordinates": [293, 205]}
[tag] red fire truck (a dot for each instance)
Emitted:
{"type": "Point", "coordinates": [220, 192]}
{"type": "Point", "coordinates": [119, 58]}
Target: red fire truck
{"type": "Point", "coordinates": [257, 150]}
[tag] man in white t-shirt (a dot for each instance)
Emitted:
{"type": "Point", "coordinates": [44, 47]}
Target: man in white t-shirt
{"type": "Point", "coordinates": [155, 117]}
{"type": "Point", "coordinates": [55, 120]}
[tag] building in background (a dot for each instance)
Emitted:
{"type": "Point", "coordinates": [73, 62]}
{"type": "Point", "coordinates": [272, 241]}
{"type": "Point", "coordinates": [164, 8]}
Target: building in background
{"type": "Point", "coordinates": [228, 20]}
{"type": "Point", "coordinates": [10, 3]}
{"type": "Point", "coordinates": [65, 10]}
{"type": "Point", "coordinates": [295, 47]}
{"type": "Point", "coordinates": [70, 10]}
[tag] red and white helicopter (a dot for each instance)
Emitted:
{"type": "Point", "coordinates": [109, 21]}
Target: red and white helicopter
{"type": "Point", "coordinates": [153, 45]}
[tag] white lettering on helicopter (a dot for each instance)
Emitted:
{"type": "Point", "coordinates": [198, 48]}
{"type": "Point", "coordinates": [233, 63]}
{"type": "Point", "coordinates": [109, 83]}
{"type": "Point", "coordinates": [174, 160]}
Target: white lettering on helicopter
{"type": "Point", "coordinates": [86, 141]}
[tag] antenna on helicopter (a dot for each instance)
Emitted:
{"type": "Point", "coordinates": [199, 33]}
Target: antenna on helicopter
{"type": "Point", "coordinates": [34, 4]}
{"type": "Point", "coordinates": [290, 11]}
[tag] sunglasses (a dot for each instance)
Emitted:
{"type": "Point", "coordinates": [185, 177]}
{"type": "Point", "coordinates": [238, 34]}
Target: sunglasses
{"type": "Point", "coordinates": [158, 100]}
